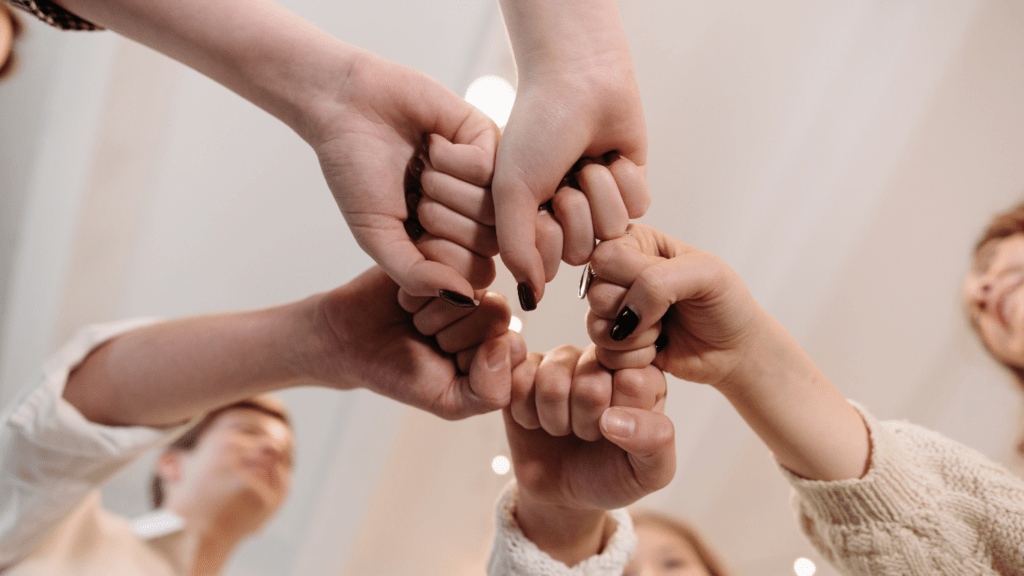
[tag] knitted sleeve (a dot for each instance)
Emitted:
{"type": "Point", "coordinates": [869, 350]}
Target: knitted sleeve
{"type": "Point", "coordinates": [54, 15]}
{"type": "Point", "coordinates": [512, 554]}
{"type": "Point", "coordinates": [926, 506]}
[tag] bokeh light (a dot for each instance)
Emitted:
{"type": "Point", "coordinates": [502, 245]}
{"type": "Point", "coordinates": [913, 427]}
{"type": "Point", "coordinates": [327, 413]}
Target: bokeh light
{"type": "Point", "coordinates": [804, 567]}
{"type": "Point", "coordinates": [494, 96]}
{"type": "Point", "coordinates": [515, 324]}
{"type": "Point", "coordinates": [501, 465]}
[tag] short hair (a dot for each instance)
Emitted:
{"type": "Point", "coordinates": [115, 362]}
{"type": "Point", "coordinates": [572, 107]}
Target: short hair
{"type": "Point", "coordinates": [7, 67]}
{"type": "Point", "coordinates": [187, 441]}
{"type": "Point", "coordinates": [1002, 225]}
{"type": "Point", "coordinates": [712, 561]}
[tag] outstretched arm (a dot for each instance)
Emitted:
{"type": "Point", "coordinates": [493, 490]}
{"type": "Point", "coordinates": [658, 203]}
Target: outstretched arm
{"type": "Point", "coordinates": [577, 97]}
{"type": "Point", "coordinates": [649, 284]}
{"type": "Point", "coordinates": [364, 116]}
{"type": "Point", "coordinates": [354, 336]}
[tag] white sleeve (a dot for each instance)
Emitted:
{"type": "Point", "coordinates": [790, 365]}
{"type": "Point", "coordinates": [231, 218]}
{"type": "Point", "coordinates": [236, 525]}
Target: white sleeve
{"type": "Point", "coordinates": [51, 457]}
{"type": "Point", "coordinates": [512, 554]}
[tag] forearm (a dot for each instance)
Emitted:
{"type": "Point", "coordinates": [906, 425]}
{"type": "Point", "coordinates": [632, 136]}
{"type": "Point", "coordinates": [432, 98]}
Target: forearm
{"type": "Point", "coordinates": [256, 48]}
{"type": "Point", "coordinates": [166, 373]}
{"type": "Point", "coordinates": [808, 425]}
{"type": "Point", "coordinates": [566, 534]}
{"type": "Point", "coordinates": [545, 34]}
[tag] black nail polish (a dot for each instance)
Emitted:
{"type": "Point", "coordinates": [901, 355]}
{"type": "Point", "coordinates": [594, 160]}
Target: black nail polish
{"type": "Point", "coordinates": [414, 229]}
{"type": "Point", "coordinates": [661, 342]}
{"type": "Point", "coordinates": [585, 280]}
{"type": "Point", "coordinates": [416, 167]}
{"type": "Point", "coordinates": [625, 323]}
{"type": "Point", "coordinates": [548, 207]}
{"type": "Point", "coordinates": [526, 298]}
{"type": "Point", "coordinates": [412, 200]}
{"type": "Point", "coordinates": [456, 299]}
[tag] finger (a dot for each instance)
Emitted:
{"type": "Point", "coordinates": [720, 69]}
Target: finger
{"type": "Point", "coordinates": [624, 359]}
{"type": "Point", "coordinates": [649, 440]}
{"type": "Point", "coordinates": [632, 183]}
{"type": "Point", "coordinates": [410, 268]}
{"type": "Point", "coordinates": [523, 405]}
{"type": "Point", "coordinates": [572, 210]}
{"type": "Point", "coordinates": [606, 205]}
{"type": "Point", "coordinates": [441, 221]}
{"type": "Point", "coordinates": [549, 243]}
{"type": "Point", "coordinates": [438, 314]}
{"type": "Point", "coordinates": [485, 322]}
{"type": "Point", "coordinates": [468, 162]}
{"type": "Point", "coordinates": [488, 385]}
{"type": "Point", "coordinates": [599, 330]}
{"type": "Point", "coordinates": [463, 197]}
{"type": "Point", "coordinates": [410, 303]}
{"type": "Point", "coordinates": [640, 388]}
{"type": "Point", "coordinates": [464, 358]}
{"type": "Point", "coordinates": [474, 268]}
{"type": "Point", "coordinates": [553, 383]}
{"type": "Point", "coordinates": [591, 396]}
{"type": "Point", "coordinates": [620, 261]}
{"type": "Point", "coordinates": [605, 298]}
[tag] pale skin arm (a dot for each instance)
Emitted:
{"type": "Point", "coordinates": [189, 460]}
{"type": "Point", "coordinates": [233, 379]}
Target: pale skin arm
{"type": "Point", "coordinates": [718, 334]}
{"type": "Point", "coordinates": [577, 97]}
{"type": "Point", "coordinates": [354, 336]}
{"type": "Point", "coordinates": [364, 116]}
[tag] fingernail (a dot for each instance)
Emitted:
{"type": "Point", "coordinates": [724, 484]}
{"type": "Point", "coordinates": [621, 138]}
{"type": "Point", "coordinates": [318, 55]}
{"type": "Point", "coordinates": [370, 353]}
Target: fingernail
{"type": "Point", "coordinates": [548, 207]}
{"type": "Point", "coordinates": [618, 423]}
{"type": "Point", "coordinates": [456, 299]}
{"type": "Point", "coordinates": [425, 147]}
{"type": "Point", "coordinates": [412, 200]}
{"type": "Point", "coordinates": [416, 167]}
{"type": "Point", "coordinates": [526, 298]}
{"type": "Point", "coordinates": [624, 325]}
{"type": "Point", "coordinates": [497, 357]}
{"type": "Point", "coordinates": [661, 342]}
{"type": "Point", "coordinates": [414, 229]}
{"type": "Point", "coordinates": [585, 280]}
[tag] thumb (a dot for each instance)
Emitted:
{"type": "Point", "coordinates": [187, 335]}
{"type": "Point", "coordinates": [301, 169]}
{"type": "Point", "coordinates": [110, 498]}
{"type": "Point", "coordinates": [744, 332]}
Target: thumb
{"type": "Point", "coordinates": [490, 376]}
{"type": "Point", "coordinates": [409, 268]}
{"type": "Point", "coordinates": [515, 214]}
{"type": "Point", "coordinates": [649, 440]}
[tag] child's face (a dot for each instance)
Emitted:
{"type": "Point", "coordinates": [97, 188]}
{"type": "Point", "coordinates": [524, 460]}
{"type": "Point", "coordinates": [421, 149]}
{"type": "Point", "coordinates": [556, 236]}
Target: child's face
{"type": "Point", "coordinates": [662, 552]}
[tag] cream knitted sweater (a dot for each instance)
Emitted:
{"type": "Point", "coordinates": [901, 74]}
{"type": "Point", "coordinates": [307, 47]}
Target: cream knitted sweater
{"type": "Point", "coordinates": [926, 507]}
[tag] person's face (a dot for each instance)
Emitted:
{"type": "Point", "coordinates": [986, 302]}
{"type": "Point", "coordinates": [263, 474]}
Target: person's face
{"type": "Point", "coordinates": [995, 300]}
{"type": "Point", "coordinates": [244, 452]}
{"type": "Point", "coordinates": [662, 552]}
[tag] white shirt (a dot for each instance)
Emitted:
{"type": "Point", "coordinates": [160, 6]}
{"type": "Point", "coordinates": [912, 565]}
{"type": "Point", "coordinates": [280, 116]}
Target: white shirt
{"type": "Point", "coordinates": [52, 462]}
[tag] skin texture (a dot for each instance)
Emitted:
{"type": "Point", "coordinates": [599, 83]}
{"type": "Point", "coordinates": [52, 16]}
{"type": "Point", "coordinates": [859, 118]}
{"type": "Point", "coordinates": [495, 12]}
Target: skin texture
{"type": "Point", "coordinates": [719, 335]}
{"type": "Point", "coordinates": [662, 552]}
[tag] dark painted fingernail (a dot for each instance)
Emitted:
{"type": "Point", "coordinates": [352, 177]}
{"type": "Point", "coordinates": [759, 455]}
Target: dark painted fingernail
{"type": "Point", "coordinates": [456, 299]}
{"type": "Point", "coordinates": [661, 342]}
{"type": "Point", "coordinates": [526, 298]}
{"type": "Point", "coordinates": [625, 323]}
{"type": "Point", "coordinates": [585, 280]}
{"type": "Point", "coordinates": [412, 200]}
{"type": "Point", "coordinates": [416, 167]}
{"type": "Point", "coordinates": [425, 147]}
{"type": "Point", "coordinates": [414, 229]}
{"type": "Point", "coordinates": [548, 207]}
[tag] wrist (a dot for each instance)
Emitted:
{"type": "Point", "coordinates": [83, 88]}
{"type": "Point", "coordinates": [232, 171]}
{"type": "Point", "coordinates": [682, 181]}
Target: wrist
{"type": "Point", "coordinates": [569, 535]}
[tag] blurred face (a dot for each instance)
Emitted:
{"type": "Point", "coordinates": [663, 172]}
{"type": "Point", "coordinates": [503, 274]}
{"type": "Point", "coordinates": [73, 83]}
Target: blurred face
{"type": "Point", "coordinates": [662, 552]}
{"type": "Point", "coordinates": [6, 37]}
{"type": "Point", "coordinates": [244, 457]}
{"type": "Point", "coordinates": [995, 300]}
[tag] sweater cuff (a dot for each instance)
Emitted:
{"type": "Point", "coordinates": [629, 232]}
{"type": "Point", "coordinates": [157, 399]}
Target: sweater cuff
{"type": "Point", "coordinates": [889, 491]}
{"type": "Point", "coordinates": [513, 554]}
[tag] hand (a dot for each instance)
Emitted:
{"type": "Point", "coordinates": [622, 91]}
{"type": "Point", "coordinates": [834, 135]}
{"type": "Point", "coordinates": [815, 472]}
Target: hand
{"type": "Point", "coordinates": [577, 97]}
{"type": "Point", "coordinates": [648, 284]}
{"type": "Point", "coordinates": [566, 483]}
{"type": "Point", "coordinates": [368, 148]}
{"type": "Point", "coordinates": [369, 341]}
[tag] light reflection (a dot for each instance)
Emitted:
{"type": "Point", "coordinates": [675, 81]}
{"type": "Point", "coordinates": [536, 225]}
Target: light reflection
{"type": "Point", "coordinates": [515, 325]}
{"type": "Point", "coordinates": [494, 96]}
{"type": "Point", "coordinates": [501, 465]}
{"type": "Point", "coordinates": [804, 567]}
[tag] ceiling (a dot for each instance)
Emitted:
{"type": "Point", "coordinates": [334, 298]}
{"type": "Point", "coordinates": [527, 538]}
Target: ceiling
{"type": "Point", "coordinates": [841, 156]}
